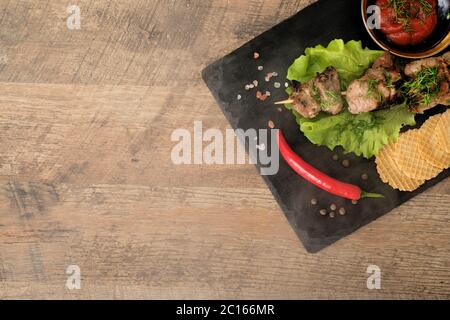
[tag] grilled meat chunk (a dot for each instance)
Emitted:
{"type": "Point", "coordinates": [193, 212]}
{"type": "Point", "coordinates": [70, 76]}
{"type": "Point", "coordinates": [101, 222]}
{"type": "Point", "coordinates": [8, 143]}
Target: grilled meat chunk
{"type": "Point", "coordinates": [322, 93]}
{"type": "Point", "coordinates": [384, 61]}
{"type": "Point", "coordinates": [428, 83]}
{"type": "Point", "coordinates": [304, 101]}
{"type": "Point", "coordinates": [446, 57]}
{"type": "Point", "coordinates": [375, 88]}
{"type": "Point", "coordinates": [328, 91]}
{"type": "Point", "coordinates": [441, 97]}
{"type": "Point", "coordinates": [412, 68]}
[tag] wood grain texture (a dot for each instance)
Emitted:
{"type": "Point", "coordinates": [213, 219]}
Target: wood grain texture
{"type": "Point", "coordinates": [86, 178]}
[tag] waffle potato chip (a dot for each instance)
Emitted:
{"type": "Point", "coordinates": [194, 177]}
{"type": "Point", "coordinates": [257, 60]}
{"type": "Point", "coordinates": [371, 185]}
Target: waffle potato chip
{"type": "Point", "coordinates": [390, 172]}
{"type": "Point", "coordinates": [409, 159]}
{"type": "Point", "coordinates": [430, 148]}
{"type": "Point", "coordinates": [443, 131]}
{"type": "Point", "coordinates": [417, 156]}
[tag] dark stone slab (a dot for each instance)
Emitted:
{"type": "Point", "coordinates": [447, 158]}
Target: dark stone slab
{"type": "Point", "coordinates": [317, 24]}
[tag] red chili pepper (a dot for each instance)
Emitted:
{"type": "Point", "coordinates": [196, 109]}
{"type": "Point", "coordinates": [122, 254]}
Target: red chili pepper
{"type": "Point", "coordinates": [318, 178]}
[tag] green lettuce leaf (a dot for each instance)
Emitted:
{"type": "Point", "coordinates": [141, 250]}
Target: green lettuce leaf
{"type": "Point", "coordinates": [349, 59]}
{"type": "Point", "coordinates": [363, 134]}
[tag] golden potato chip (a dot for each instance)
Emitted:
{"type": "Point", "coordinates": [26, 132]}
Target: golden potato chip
{"type": "Point", "coordinates": [443, 131]}
{"type": "Point", "coordinates": [408, 157]}
{"type": "Point", "coordinates": [429, 148]}
{"type": "Point", "coordinates": [391, 174]}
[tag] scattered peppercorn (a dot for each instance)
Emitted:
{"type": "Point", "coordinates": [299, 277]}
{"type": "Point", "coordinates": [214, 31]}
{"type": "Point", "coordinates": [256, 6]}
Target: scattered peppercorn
{"type": "Point", "coordinates": [345, 163]}
{"type": "Point", "coordinates": [313, 201]}
{"type": "Point", "coordinates": [364, 176]}
{"type": "Point", "coordinates": [332, 214]}
{"type": "Point", "coordinates": [271, 124]}
{"type": "Point", "coordinates": [335, 157]}
{"type": "Point", "coordinates": [342, 211]}
{"type": "Point", "coordinates": [333, 207]}
{"type": "Point", "coordinates": [323, 212]}
{"type": "Point", "coordinates": [354, 202]}
{"type": "Point", "coordinates": [255, 55]}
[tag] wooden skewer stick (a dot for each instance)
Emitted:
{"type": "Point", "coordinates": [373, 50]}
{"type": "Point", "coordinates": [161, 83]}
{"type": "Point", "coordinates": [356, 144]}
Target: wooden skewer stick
{"type": "Point", "coordinates": [285, 101]}
{"type": "Point", "coordinates": [344, 93]}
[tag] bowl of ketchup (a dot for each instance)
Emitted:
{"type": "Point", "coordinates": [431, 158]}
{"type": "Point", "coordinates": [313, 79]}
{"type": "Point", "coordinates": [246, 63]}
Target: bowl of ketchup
{"type": "Point", "coordinates": [408, 28]}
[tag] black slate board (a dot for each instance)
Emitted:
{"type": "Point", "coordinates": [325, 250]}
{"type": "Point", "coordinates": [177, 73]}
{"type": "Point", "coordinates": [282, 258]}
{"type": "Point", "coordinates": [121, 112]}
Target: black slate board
{"type": "Point", "coordinates": [317, 24]}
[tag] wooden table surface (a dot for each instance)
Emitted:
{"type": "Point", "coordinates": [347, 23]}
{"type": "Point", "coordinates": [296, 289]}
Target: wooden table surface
{"type": "Point", "coordinates": [86, 177]}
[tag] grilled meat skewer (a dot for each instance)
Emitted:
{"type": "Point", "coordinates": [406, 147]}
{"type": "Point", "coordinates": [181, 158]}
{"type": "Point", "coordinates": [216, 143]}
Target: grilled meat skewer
{"type": "Point", "coordinates": [427, 84]}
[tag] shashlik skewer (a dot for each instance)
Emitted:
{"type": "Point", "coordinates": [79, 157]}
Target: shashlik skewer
{"type": "Point", "coordinates": [376, 89]}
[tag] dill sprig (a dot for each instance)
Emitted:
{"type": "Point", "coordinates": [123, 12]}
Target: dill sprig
{"type": "Point", "coordinates": [423, 88]}
{"type": "Point", "coordinates": [332, 98]}
{"type": "Point", "coordinates": [389, 81]}
{"type": "Point", "coordinates": [427, 8]}
{"type": "Point", "coordinates": [371, 84]}
{"type": "Point", "coordinates": [372, 90]}
{"type": "Point", "coordinates": [403, 11]}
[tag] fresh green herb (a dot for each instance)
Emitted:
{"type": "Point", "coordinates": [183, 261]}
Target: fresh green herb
{"type": "Point", "coordinates": [406, 24]}
{"type": "Point", "coordinates": [372, 90]}
{"type": "Point", "coordinates": [372, 83]}
{"type": "Point", "coordinates": [423, 88]}
{"type": "Point", "coordinates": [315, 93]}
{"type": "Point", "coordinates": [426, 7]}
{"type": "Point", "coordinates": [388, 78]}
{"type": "Point", "coordinates": [332, 98]}
{"type": "Point", "coordinates": [403, 11]}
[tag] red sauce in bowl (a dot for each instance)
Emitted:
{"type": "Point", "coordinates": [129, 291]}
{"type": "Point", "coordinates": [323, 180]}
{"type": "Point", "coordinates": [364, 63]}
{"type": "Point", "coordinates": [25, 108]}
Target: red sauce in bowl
{"type": "Point", "coordinates": [407, 22]}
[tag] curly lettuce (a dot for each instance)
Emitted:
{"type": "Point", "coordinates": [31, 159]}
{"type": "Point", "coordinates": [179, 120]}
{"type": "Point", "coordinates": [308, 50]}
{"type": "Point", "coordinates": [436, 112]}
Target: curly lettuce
{"type": "Point", "coordinates": [349, 59]}
{"type": "Point", "coordinates": [363, 134]}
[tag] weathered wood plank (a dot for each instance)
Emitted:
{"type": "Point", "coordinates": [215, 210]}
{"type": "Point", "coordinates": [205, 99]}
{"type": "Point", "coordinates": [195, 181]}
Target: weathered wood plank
{"type": "Point", "coordinates": [217, 248]}
{"type": "Point", "coordinates": [106, 134]}
{"type": "Point", "coordinates": [138, 42]}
